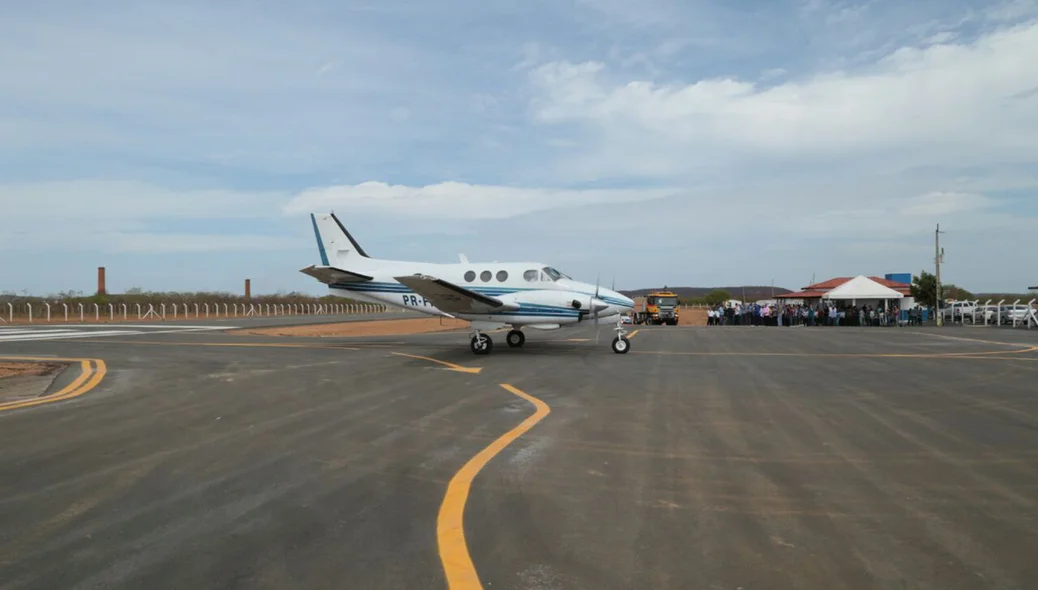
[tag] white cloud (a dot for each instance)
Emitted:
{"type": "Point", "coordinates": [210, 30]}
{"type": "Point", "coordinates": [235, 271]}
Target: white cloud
{"type": "Point", "coordinates": [942, 103]}
{"type": "Point", "coordinates": [262, 87]}
{"type": "Point", "coordinates": [457, 200]}
{"type": "Point", "coordinates": [87, 201]}
{"type": "Point", "coordinates": [934, 205]}
{"type": "Point", "coordinates": [884, 218]}
{"type": "Point", "coordinates": [644, 13]}
{"type": "Point", "coordinates": [138, 217]}
{"type": "Point", "coordinates": [1012, 10]}
{"type": "Point", "coordinates": [169, 243]}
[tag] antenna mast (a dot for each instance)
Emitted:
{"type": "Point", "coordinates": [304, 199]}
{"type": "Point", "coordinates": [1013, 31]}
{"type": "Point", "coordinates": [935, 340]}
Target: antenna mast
{"type": "Point", "coordinates": [938, 259]}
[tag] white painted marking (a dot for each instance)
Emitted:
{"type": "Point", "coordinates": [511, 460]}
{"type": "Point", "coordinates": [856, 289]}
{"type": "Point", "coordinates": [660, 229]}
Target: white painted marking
{"type": "Point", "coordinates": [13, 332]}
{"type": "Point", "coordinates": [171, 331]}
{"type": "Point", "coordinates": [33, 337]}
{"type": "Point", "coordinates": [152, 326]}
{"type": "Point", "coordinates": [21, 334]}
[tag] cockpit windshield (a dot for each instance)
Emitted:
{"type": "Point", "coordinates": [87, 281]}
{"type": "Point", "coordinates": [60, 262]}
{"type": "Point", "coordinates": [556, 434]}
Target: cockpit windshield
{"type": "Point", "coordinates": [553, 274]}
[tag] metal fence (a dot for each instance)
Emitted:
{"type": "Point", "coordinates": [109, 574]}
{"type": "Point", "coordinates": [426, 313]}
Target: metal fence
{"type": "Point", "coordinates": [111, 312]}
{"type": "Point", "coordinates": [991, 313]}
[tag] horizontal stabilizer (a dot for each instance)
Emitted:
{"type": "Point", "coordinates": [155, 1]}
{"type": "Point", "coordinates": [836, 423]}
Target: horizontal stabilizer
{"type": "Point", "coordinates": [331, 275]}
{"type": "Point", "coordinates": [453, 299]}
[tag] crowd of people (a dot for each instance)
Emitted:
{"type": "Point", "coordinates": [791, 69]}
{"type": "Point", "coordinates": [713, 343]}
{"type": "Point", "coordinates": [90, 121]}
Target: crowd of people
{"type": "Point", "coordinates": [822, 313]}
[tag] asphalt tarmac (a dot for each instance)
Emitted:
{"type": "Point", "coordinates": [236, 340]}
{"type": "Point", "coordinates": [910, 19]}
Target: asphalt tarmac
{"type": "Point", "coordinates": [705, 458]}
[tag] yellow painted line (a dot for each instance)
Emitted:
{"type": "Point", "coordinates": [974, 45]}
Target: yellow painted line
{"type": "Point", "coordinates": [450, 525]}
{"type": "Point", "coordinates": [995, 352]}
{"type": "Point", "coordinates": [451, 366]}
{"type": "Point", "coordinates": [633, 334]}
{"type": "Point", "coordinates": [578, 340]}
{"type": "Point", "coordinates": [88, 379]}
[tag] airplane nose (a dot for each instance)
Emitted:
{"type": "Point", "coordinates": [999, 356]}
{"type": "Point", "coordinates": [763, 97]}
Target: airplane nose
{"type": "Point", "coordinates": [627, 301]}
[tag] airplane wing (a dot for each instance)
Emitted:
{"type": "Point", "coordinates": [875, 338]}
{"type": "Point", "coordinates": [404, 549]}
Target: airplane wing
{"type": "Point", "coordinates": [451, 298]}
{"type": "Point", "coordinates": [331, 275]}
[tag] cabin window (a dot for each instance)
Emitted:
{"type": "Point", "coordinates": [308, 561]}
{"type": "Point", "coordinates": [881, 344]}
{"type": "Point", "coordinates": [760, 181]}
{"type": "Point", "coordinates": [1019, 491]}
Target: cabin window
{"type": "Point", "coordinates": [553, 275]}
{"type": "Point", "coordinates": [485, 276]}
{"type": "Point", "coordinates": [531, 275]}
{"type": "Point", "coordinates": [502, 276]}
{"type": "Point", "coordinates": [470, 276]}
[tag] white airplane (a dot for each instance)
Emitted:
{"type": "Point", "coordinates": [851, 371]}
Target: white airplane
{"type": "Point", "coordinates": [488, 295]}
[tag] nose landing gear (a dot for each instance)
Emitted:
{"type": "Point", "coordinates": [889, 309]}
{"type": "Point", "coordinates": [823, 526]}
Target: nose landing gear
{"type": "Point", "coordinates": [481, 343]}
{"type": "Point", "coordinates": [621, 345]}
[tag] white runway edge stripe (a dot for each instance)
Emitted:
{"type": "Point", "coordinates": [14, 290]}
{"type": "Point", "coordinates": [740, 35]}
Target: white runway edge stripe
{"type": "Point", "coordinates": [70, 334]}
{"type": "Point", "coordinates": [17, 331]}
{"type": "Point", "coordinates": [22, 334]}
{"type": "Point", "coordinates": [110, 326]}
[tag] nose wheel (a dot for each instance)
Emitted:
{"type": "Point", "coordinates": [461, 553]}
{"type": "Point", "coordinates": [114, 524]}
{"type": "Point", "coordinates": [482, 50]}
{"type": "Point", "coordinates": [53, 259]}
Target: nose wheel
{"type": "Point", "coordinates": [515, 339]}
{"type": "Point", "coordinates": [621, 345]}
{"type": "Point", "coordinates": [481, 344]}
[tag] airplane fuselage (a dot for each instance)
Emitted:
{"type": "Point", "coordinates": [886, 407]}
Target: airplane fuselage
{"type": "Point", "coordinates": [545, 298]}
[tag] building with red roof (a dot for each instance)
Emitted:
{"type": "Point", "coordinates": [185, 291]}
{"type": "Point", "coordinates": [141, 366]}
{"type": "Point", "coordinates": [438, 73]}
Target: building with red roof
{"type": "Point", "coordinates": [816, 291]}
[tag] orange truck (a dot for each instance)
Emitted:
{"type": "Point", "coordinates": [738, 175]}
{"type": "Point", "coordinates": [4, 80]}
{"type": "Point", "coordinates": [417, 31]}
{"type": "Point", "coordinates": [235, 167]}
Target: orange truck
{"type": "Point", "coordinates": [658, 307]}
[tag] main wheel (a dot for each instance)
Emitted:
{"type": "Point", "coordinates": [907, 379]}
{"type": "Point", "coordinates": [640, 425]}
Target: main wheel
{"type": "Point", "coordinates": [481, 346]}
{"type": "Point", "coordinates": [515, 339]}
{"type": "Point", "coordinates": [621, 345]}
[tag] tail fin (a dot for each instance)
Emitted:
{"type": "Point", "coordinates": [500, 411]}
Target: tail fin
{"type": "Point", "coordinates": [336, 244]}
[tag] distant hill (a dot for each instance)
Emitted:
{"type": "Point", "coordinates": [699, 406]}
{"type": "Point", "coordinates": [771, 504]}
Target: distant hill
{"type": "Point", "coordinates": [1008, 297]}
{"type": "Point", "coordinates": [753, 293]}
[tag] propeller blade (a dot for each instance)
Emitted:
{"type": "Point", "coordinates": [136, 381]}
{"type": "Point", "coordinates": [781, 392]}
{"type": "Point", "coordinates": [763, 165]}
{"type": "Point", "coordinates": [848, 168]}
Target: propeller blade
{"type": "Point", "coordinates": [594, 305]}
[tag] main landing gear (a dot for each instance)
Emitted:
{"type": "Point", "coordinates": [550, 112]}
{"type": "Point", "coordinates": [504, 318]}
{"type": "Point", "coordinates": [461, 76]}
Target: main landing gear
{"type": "Point", "coordinates": [482, 344]}
{"type": "Point", "coordinates": [516, 338]}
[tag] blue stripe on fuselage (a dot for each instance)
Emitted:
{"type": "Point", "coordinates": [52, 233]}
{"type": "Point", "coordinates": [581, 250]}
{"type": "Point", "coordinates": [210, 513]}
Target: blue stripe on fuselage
{"type": "Point", "coordinates": [382, 287]}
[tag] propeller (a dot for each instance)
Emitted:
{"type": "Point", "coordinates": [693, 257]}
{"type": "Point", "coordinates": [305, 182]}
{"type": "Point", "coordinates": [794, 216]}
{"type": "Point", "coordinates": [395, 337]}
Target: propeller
{"type": "Point", "coordinates": [594, 306]}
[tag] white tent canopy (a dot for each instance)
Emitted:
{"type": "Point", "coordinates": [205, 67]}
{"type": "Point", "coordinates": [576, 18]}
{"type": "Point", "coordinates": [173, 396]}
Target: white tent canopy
{"type": "Point", "coordinates": [862, 288]}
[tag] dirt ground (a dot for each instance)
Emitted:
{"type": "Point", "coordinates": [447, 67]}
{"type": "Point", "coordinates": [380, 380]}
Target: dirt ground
{"type": "Point", "coordinates": [693, 317]}
{"type": "Point", "coordinates": [27, 369]}
{"type": "Point", "coordinates": [372, 328]}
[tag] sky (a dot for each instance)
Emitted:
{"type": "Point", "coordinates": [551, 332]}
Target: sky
{"type": "Point", "coordinates": [664, 142]}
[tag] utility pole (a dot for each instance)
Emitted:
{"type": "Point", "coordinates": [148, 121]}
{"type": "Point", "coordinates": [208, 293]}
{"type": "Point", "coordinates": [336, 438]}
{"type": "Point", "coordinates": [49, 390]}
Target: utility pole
{"type": "Point", "coordinates": [938, 259]}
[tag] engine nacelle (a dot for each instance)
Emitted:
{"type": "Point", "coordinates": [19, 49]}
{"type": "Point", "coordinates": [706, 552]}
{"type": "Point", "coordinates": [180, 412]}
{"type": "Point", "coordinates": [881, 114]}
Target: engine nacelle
{"type": "Point", "coordinates": [561, 299]}
{"type": "Point", "coordinates": [547, 307]}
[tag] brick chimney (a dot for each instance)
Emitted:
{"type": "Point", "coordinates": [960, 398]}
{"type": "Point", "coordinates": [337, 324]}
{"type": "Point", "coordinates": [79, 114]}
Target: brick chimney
{"type": "Point", "coordinates": [248, 289]}
{"type": "Point", "coordinates": [101, 287]}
